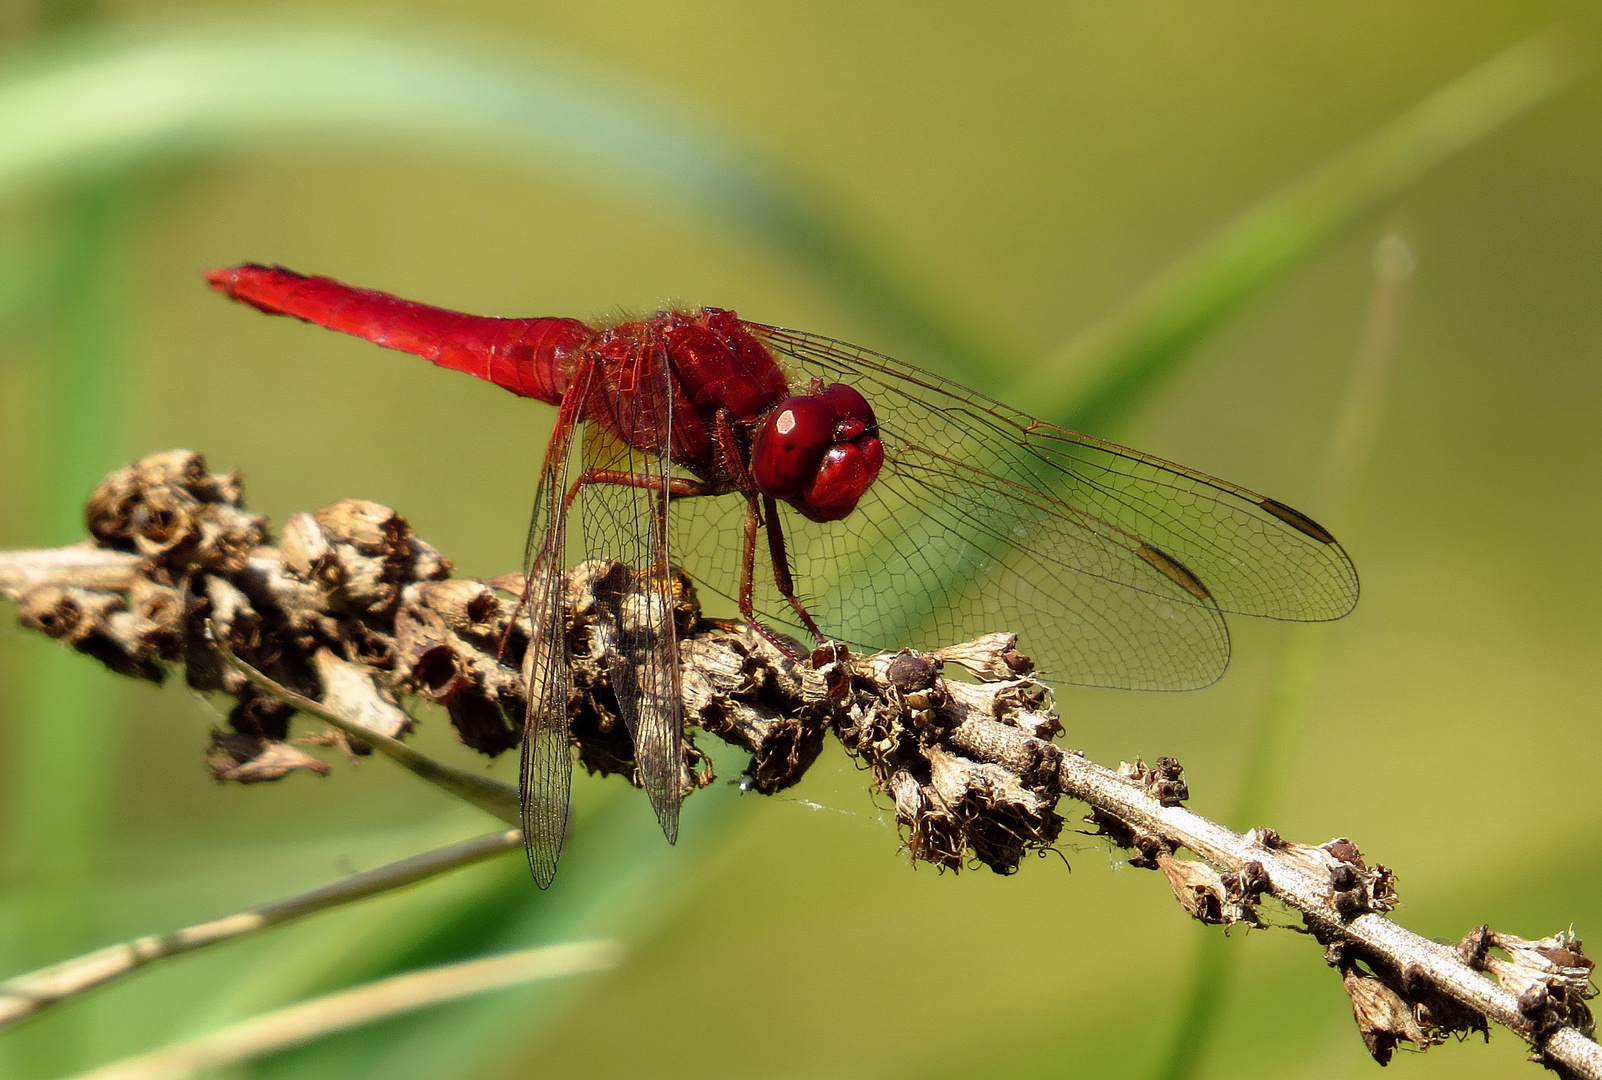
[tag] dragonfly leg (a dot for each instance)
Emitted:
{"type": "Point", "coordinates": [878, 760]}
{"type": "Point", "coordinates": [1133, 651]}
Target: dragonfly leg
{"type": "Point", "coordinates": [730, 460]}
{"type": "Point", "coordinates": [781, 569]}
{"type": "Point", "coordinates": [753, 525]}
{"type": "Point", "coordinates": [678, 487]}
{"type": "Point", "coordinates": [732, 463]}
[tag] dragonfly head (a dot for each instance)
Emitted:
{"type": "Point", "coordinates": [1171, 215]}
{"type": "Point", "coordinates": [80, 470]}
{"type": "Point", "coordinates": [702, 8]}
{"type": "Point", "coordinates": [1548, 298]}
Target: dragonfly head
{"type": "Point", "coordinates": [819, 451]}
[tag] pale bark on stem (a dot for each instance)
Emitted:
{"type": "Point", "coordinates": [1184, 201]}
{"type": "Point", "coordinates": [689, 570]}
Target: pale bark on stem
{"type": "Point", "coordinates": [27, 994]}
{"type": "Point", "coordinates": [366, 1004]}
{"type": "Point", "coordinates": [351, 612]}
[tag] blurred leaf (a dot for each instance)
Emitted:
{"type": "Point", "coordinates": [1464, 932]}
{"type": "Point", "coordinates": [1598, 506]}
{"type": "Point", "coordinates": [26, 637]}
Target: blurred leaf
{"type": "Point", "coordinates": [1099, 377]}
{"type": "Point", "coordinates": [374, 940]}
{"type": "Point", "coordinates": [22, 253]}
{"type": "Point", "coordinates": [107, 102]}
{"type": "Point", "coordinates": [1100, 373]}
{"type": "Point", "coordinates": [630, 883]}
{"type": "Point", "coordinates": [57, 783]}
{"type": "Point", "coordinates": [620, 882]}
{"type": "Point", "coordinates": [1273, 747]}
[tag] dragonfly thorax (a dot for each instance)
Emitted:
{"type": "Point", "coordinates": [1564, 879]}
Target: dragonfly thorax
{"type": "Point", "coordinates": [686, 372]}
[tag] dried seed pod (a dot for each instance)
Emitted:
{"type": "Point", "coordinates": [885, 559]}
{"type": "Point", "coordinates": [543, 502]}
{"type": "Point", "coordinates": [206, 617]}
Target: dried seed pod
{"type": "Point", "coordinates": [162, 521]}
{"type": "Point", "coordinates": [227, 537]}
{"type": "Point", "coordinates": [302, 608]}
{"type": "Point", "coordinates": [169, 509]}
{"type": "Point", "coordinates": [352, 691]}
{"type": "Point", "coordinates": [250, 759]}
{"type": "Point", "coordinates": [371, 528]}
{"type": "Point", "coordinates": [109, 511]}
{"type": "Point", "coordinates": [992, 813]}
{"type": "Point", "coordinates": [1198, 888]}
{"type": "Point", "coordinates": [165, 607]}
{"type": "Point", "coordinates": [233, 618]}
{"type": "Point", "coordinates": [991, 657]}
{"type": "Point", "coordinates": [371, 584]}
{"type": "Point", "coordinates": [911, 672]}
{"type": "Point", "coordinates": [1383, 1017]}
{"type": "Point", "coordinates": [436, 674]}
{"type": "Point", "coordinates": [223, 489]}
{"type": "Point", "coordinates": [466, 607]}
{"type": "Point", "coordinates": [171, 468]}
{"type": "Point", "coordinates": [368, 646]}
{"type": "Point", "coordinates": [427, 563]}
{"type": "Point", "coordinates": [137, 636]}
{"type": "Point", "coordinates": [1243, 889]}
{"type": "Point", "coordinates": [67, 614]}
{"type": "Point", "coordinates": [1163, 781]}
{"type": "Point", "coordinates": [738, 688]}
{"type": "Point", "coordinates": [254, 713]}
{"type": "Point", "coordinates": [425, 649]}
{"type": "Point", "coordinates": [306, 554]}
{"type": "Point", "coordinates": [480, 724]}
{"type": "Point", "coordinates": [1551, 977]}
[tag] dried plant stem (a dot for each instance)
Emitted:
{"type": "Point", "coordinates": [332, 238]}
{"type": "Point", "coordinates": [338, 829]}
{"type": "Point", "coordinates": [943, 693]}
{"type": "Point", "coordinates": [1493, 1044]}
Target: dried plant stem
{"type": "Point", "coordinates": [1417, 958]}
{"type": "Point", "coordinates": [366, 1004]}
{"type": "Point", "coordinates": [350, 612]}
{"type": "Point", "coordinates": [27, 994]}
{"type": "Point", "coordinates": [491, 796]}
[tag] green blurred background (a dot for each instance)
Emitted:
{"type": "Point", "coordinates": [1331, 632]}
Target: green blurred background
{"type": "Point", "coordinates": [967, 187]}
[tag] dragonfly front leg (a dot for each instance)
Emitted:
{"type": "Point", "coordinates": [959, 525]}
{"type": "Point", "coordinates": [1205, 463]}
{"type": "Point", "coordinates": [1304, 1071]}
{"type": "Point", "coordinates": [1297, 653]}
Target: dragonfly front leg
{"type": "Point", "coordinates": [732, 463]}
{"type": "Point", "coordinates": [781, 569]}
{"type": "Point", "coordinates": [753, 526]}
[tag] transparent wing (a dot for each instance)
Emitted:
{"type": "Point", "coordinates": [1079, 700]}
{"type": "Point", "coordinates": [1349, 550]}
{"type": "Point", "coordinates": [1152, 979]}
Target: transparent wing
{"type": "Point", "coordinates": [1111, 564]}
{"type": "Point", "coordinates": [546, 777]}
{"type": "Point", "coordinates": [707, 545]}
{"type": "Point", "coordinates": [628, 522]}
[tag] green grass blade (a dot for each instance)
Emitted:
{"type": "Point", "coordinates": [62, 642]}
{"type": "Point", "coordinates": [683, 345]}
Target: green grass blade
{"type": "Point", "coordinates": [110, 101]}
{"type": "Point", "coordinates": [1099, 374]}
{"type": "Point", "coordinates": [57, 784]}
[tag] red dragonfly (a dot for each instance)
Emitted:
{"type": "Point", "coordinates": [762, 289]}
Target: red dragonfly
{"type": "Point", "coordinates": [897, 509]}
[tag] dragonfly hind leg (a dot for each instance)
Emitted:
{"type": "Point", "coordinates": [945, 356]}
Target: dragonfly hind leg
{"type": "Point", "coordinates": [677, 487]}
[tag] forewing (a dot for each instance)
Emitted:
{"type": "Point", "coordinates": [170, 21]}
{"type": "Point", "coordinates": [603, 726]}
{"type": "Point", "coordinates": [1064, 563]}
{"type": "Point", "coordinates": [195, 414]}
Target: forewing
{"type": "Point", "coordinates": [1111, 564]}
{"type": "Point", "coordinates": [546, 777]}
{"type": "Point", "coordinates": [628, 523]}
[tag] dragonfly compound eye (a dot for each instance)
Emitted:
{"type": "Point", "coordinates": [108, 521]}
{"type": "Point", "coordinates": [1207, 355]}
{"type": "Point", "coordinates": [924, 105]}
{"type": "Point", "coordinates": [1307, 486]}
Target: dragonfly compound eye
{"type": "Point", "coordinates": [849, 406]}
{"type": "Point", "coordinates": [790, 444]}
{"type": "Point", "coordinates": [847, 470]}
{"type": "Point", "coordinates": [821, 451]}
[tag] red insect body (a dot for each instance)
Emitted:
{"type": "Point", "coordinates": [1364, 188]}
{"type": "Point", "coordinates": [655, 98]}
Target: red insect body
{"type": "Point", "coordinates": [714, 364]}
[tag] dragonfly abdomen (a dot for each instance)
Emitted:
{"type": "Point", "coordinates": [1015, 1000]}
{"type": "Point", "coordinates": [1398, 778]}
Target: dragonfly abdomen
{"type": "Point", "coordinates": [532, 358]}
